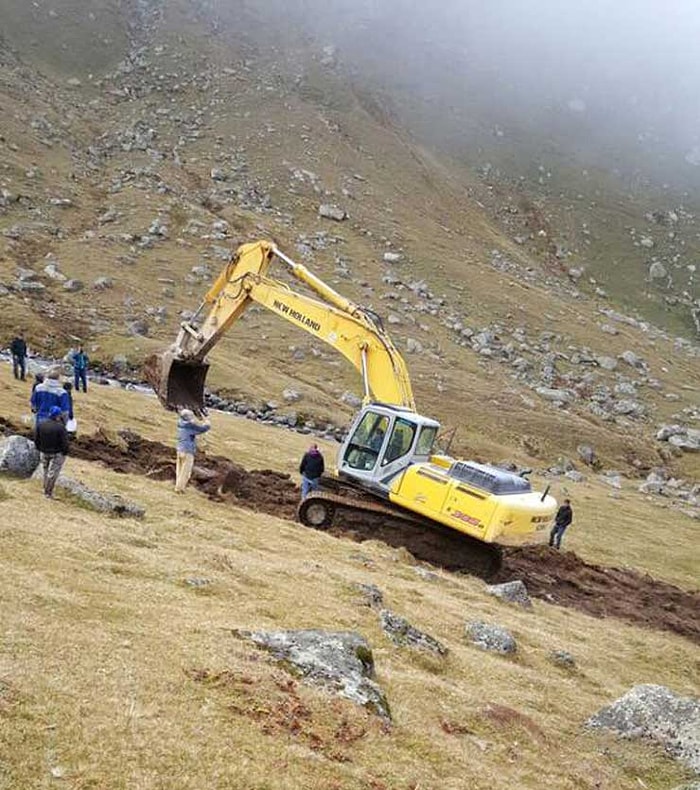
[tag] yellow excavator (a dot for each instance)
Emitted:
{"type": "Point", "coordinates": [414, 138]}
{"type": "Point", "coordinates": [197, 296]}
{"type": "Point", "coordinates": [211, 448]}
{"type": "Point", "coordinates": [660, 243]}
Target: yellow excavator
{"type": "Point", "coordinates": [388, 466]}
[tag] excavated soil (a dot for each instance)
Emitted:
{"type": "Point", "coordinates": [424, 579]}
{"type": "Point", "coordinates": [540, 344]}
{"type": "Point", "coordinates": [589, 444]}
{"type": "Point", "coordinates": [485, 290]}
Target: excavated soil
{"type": "Point", "coordinates": [560, 578]}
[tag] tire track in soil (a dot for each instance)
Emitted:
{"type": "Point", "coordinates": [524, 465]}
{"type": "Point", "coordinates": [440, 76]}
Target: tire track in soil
{"type": "Point", "coordinates": [561, 578]}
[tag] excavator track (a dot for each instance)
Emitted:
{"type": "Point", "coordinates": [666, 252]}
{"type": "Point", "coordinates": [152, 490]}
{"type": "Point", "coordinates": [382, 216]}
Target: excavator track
{"type": "Point", "coordinates": [356, 514]}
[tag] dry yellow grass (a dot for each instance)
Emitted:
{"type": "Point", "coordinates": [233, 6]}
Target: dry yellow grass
{"type": "Point", "coordinates": [116, 673]}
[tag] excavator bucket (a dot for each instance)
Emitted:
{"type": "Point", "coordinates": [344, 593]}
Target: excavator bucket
{"type": "Point", "coordinates": [178, 383]}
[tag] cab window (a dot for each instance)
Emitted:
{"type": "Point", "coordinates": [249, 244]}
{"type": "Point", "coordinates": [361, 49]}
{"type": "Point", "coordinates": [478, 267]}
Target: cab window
{"type": "Point", "coordinates": [426, 440]}
{"type": "Point", "coordinates": [367, 441]}
{"type": "Point", "coordinates": [401, 440]}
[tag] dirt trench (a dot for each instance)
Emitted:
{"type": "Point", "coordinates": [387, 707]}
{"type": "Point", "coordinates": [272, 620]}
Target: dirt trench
{"type": "Point", "coordinates": [559, 578]}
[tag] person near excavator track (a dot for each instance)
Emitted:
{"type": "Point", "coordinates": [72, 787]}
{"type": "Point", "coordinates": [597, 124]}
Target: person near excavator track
{"type": "Point", "coordinates": [311, 468]}
{"type": "Point", "coordinates": [188, 428]}
{"type": "Point", "coordinates": [48, 394]}
{"type": "Point", "coordinates": [18, 349]}
{"type": "Point", "coordinates": [564, 517]}
{"type": "Point", "coordinates": [51, 440]}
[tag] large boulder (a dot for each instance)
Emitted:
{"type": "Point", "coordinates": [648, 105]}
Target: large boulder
{"type": "Point", "coordinates": [657, 714]}
{"type": "Point", "coordinates": [401, 632]}
{"type": "Point", "coordinates": [111, 504]}
{"type": "Point", "coordinates": [689, 443]}
{"type": "Point", "coordinates": [493, 638]}
{"type": "Point", "coordinates": [340, 661]}
{"type": "Point", "coordinates": [18, 456]}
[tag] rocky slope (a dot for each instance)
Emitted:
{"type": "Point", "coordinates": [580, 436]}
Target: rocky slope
{"type": "Point", "coordinates": [138, 154]}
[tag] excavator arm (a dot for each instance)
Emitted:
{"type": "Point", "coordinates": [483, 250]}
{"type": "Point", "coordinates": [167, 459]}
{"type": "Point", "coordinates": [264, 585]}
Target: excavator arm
{"type": "Point", "coordinates": [178, 375]}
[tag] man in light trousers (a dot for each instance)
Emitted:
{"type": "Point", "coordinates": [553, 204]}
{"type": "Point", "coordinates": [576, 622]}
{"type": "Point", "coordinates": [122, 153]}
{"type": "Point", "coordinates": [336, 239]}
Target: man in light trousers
{"type": "Point", "coordinates": [188, 428]}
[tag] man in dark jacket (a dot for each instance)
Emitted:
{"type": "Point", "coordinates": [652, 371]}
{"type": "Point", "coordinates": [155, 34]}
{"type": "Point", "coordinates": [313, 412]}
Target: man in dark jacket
{"type": "Point", "coordinates": [52, 442]}
{"type": "Point", "coordinates": [18, 349]}
{"type": "Point", "coordinates": [311, 469]}
{"type": "Point", "coordinates": [80, 367]}
{"type": "Point", "coordinates": [564, 517]}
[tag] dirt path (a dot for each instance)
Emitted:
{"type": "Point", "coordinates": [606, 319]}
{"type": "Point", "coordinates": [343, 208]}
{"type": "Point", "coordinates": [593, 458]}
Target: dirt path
{"type": "Point", "coordinates": [560, 578]}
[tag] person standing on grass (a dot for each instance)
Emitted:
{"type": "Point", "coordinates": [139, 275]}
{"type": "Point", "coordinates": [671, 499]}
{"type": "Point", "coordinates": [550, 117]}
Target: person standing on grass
{"type": "Point", "coordinates": [188, 428]}
{"type": "Point", "coordinates": [51, 441]}
{"type": "Point", "coordinates": [18, 349]}
{"type": "Point", "coordinates": [311, 468]}
{"type": "Point", "coordinates": [564, 517]}
{"type": "Point", "coordinates": [80, 362]}
{"type": "Point", "coordinates": [48, 394]}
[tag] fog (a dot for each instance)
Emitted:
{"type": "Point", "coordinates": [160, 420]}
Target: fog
{"type": "Point", "coordinates": [618, 82]}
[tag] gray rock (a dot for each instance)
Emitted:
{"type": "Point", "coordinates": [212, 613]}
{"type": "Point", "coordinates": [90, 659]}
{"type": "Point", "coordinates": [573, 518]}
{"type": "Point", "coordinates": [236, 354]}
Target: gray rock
{"type": "Point", "coordinates": [372, 595]}
{"type": "Point", "coordinates": [587, 454]}
{"type": "Point", "coordinates": [607, 363]}
{"type": "Point", "coordinates": [112, 504]}
{"type": "Point", "coordinates": [73, 286]}
{"type": "Point", "coordinates": [18, 456]}
{"type": "Point", "coordinates": [340, 661]}
{"type": "Point", "coordinates": [512, 592]}
{"type": "Point", "coordinates": [401, 632]}
{"type": "Point", "coordinates": [351, 399]}
{"type": "Point", "coordinates": [330, 211]}
{"type": "Point", "coordinates": [103, 283]}
{"type": "Point", "coordinates": [561, 658]}
{"type": "Point", "coordinates": [413, 346]}
{"type": "Point", "coordinates": [633, 360]}
{"type": "Point", "coordinates": [574, 476]}
{"type": "Point", "coordinates": [655, 713]}
{"type": "Point", "coordinates": [489, 637]}
{"type": "Point", "coordinates": [391, 257]}
{"type": "Point", "coordinates": [555, 395]}
{"type": "Point", "coordinates": [657, 271]}
{"type": "Point", "coordinates": [51, 270]}
{"type": "Point", "coordinates": [291, 395]}
{"type": "Point", "coordinates": [138, 327]}
{"type": "Point", "coordinates": [667, 431]}
{"type": "Point", "coordinates": [688, 442]}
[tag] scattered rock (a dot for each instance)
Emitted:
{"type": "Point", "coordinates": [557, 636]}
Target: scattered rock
{"type": "Point", "coordinates": [372, 595]}
{"type": "Point", "coordinates": [291, 395]}
{"type": "Point", "coordinates": [512, 592]}
{"type": "Point", "coordinates": [655, 713]}
{"type": "Point", "coordinates": [413, 346]}
{"type": "Point", "coordinates": [340, 661]}
{"type": "Point", "coordinates": [18, 456]}
{"type": "Point", "coordinates": [112, 504]}
{"type": "Point", "coordinates": [350, 399]}
{"type": "Point", "coordinates": [73, 286]}
{"type": "Point", "coordinates": [391, 257]}
{"type": "Point", "coordinates": [557, 396]}
{"type": "Point", "coordinates": [657, 271]}
{"type": "Point", "coordinates": [330, 211]}
{"type": "Point", "coordinates": [587, 454]}
{"type": "Point", "coordinates": [138, 327]}
{"type": "Point", "coordinates": [493, 638]}
{"type": "Point", "coordinates": [688, 442]}
{"type": "Point", "coordinates": [562, 658]}
{"type": "Point", "coordinates": [607, 363]}
{"type": "Point", "coordinates": [401, 632]}
{"type": "Point", "coordinates": [103, 283]}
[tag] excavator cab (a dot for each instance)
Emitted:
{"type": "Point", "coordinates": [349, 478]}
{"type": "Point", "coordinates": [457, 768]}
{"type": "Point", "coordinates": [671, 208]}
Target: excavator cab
{"type": "Point", "coordinates": [382, 442]}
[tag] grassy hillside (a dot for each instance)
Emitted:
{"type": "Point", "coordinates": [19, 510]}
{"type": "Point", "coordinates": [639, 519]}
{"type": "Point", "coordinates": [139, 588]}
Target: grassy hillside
{"type": "Point", "coordinates": [119, 666]}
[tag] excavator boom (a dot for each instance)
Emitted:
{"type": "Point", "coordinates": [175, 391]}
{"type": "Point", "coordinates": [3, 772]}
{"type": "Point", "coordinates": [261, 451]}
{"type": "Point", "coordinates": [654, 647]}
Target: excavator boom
{"type": "Point", "coordinates": [179, 375]}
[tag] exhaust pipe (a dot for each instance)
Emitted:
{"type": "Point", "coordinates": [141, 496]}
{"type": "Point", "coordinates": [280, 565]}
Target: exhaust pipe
{"type": "Point", "coordinates": [178, 383]}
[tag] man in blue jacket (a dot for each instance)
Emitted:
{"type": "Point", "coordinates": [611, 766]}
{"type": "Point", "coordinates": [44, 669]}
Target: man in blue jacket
{"type": "Point", "coordinates": [48, 394]}
{"type": "Point", "coordinates": [80, 366]}
{"type": "Point", "coordinates": [187, 431]}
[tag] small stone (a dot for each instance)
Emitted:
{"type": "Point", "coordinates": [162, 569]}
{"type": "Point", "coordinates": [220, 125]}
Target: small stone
{"type": "Point", "coordinates": [561, 658]}
{"type": "Point", "coordinates": [391, 257]}
{"type": "Point", "coordinates": [330, 211]}
{"type": "Point", "coordinates": [493, 638]}
{"type": "Point", "coordinates": [73, 286]}
{"type": "Point", "coordinates": [103, 283]}
{"type": "Point", "coordinates": [587, 454]}
{"type": "Point", "coordinates": [657, 271]}
{"type": "Point", "coordinates": [511, 592]}
{"type": "Point", "coordinates": [291, 395]}
{"type": "Point", "coordinates": [413, 346]}
{"type": "Point", "coordinates": [372, 595]}
{"type": "Point", "coordinates": [402, 633]}
{"type": "Point", "coordinates": [350, 399]}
